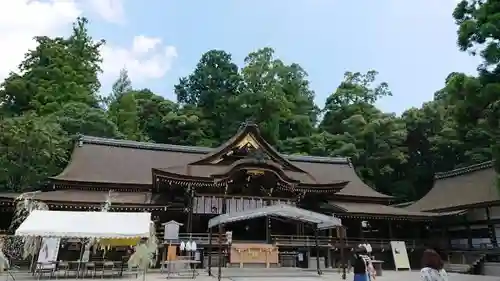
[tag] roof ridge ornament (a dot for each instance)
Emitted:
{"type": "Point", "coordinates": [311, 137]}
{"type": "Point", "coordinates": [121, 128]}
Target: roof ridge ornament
{"type": "Point", "coordinates": [465, 170]}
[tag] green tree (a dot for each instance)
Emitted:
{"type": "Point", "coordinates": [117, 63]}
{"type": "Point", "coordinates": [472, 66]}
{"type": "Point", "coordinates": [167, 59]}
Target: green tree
{"type": "Point", "coordinates": [32, 148]}
{"type": "Point", "coordinates": [152, 111]}
{"type": "Point", "coordinates": [478, 33]}
{"type": "Point", "coordinates": [469, 104]}
{"type": "Point", "coordinates": [120, 87]}
{"type": "Point", "coordinates": [212, 88]}
{"type": "Point", "coordinates": [277, 96]}
{"type": "Point", "coordinates": [432, 143]}
{"type": "Point", "coordinates": [127, 117]}
{"type": "Point", "coordinates": [478, 29]}
{"type": "Point", "coordinates": [373, 139]}
{"type": "Point", "coordinates": [57, 71]}
{"type": "Point", "coordinates": [123, 108]}
{"type": "Point", "coordinates": [355, 95]}
{"type": "Point", "coordinates": [184, 126]}
{"type": "Point", "coordinates": [78, 118]}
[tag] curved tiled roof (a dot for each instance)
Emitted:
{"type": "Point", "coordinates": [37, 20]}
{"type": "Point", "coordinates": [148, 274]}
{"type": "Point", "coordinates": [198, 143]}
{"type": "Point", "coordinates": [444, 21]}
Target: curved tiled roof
{"type": "Point", "coordinates": [464, 170]}
{"type": "Point", "coordinates": [384, 210]}
{"type": "Point", "coordinates": [461, 188]}
{"type": "Point", "coordinates": [103, 160]}
{"type": "Point", "coordinates": [196, 149]}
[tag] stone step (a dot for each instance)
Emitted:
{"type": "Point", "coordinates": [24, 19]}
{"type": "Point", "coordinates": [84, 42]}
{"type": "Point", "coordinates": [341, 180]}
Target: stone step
{"type": "Point", "coordinates": [457, 267]}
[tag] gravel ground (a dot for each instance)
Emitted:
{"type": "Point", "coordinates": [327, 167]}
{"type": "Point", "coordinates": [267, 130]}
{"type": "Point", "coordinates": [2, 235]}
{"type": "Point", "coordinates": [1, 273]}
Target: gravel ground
{"type": "Point", "coordinates": [276, 275]}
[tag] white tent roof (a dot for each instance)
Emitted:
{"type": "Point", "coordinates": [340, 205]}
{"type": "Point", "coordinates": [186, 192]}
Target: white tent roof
{"type": "Point", "coordinates": [85, 224]}
{"type": "Point", "coordinates": [280, 210]}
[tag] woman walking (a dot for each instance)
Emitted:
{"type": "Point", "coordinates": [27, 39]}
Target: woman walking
{"type": "Point", "coordinates": [432, 267]}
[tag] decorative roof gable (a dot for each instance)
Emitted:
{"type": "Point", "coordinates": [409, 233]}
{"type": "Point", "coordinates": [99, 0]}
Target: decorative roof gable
{"type": "Point", "coordinates": [249, 143]}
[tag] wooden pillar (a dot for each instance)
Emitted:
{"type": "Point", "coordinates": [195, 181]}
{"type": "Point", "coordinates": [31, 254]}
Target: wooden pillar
{"type": "Point", "coordinates": [491, 229]}
{"type": "Point", "coordinates": [389, 222]}
{"type": "Point", "coordinates": [361, 230]}
{"type": "Point", "coordinates": [268, 230]}
{"type": "Point", "coordinates": [469, 233]}
{"type": "Point", "coordinates": [221, 258]}
{"type": "Point", "coordinates": [189, 226]}
{"type": "Point", "coordinates": [209, 252]}
{"type": "Point", "coordinates": [224, 200]}
{"type": "Point", "coordinates": [268, 225]}
{"type": "Point", "coordinates": [316, 244]}
{"type": "Point", "coordinates": [343, 241]}
{"type": "Point", "coordinates": [329, 256]}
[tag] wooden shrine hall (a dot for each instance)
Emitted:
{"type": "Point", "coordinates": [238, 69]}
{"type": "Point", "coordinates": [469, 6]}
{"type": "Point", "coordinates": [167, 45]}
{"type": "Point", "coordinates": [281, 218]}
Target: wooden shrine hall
{"type": "Point", "coordinates": [191, 185]}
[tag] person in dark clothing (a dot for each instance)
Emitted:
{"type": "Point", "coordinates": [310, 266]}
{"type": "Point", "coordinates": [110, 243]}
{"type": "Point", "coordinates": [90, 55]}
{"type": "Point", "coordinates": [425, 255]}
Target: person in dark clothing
{"type": "Point", "coordinates": [359, 264]}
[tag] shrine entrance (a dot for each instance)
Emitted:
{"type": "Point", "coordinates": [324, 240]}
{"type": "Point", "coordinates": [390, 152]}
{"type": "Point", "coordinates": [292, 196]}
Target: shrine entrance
{"type": "Point", "coordinates": [262, 254]}
{"type": "Point", "coordinates": [252, 230]}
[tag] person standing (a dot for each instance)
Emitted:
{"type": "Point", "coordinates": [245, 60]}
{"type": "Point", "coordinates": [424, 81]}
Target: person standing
{"type": "Point", "coordinates": [432, 267]}
{"type": "Point", "coordinates": [360, 264]}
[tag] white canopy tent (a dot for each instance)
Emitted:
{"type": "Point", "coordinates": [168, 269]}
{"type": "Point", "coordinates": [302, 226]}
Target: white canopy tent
{"type": "Point", "coordinates": [281, 210]}
{"type": "Point", "coordinates": [319, 221]}
{"type": "Point", "coordinates": [85, 224]}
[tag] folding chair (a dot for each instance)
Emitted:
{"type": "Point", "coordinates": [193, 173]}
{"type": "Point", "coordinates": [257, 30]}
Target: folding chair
{"type": "Point", "coordinates": [90, 267]}
{"type": "Point", "coordinates": [107, 265]}
{"type": "Point", "coordinates": [62, 266]}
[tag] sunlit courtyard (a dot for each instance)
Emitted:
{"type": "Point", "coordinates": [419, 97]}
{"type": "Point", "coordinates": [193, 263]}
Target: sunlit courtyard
{"type": "Point", "coordinates": [276, 275]}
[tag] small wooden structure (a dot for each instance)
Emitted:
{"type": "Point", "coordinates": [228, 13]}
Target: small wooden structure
{"type": "Point", "coordinates": [267, 254]}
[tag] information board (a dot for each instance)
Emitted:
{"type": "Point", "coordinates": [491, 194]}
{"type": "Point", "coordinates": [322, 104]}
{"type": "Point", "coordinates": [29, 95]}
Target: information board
{"type": "Point", "coordinates": [400, 255]}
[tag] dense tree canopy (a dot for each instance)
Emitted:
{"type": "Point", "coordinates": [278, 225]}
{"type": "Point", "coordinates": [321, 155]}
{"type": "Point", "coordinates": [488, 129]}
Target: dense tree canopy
{"type": "Point", "coordinates": [55, 96]}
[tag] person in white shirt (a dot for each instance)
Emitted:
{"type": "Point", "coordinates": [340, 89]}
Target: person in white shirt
{"type": "Point", "coordinates": [432, 267]}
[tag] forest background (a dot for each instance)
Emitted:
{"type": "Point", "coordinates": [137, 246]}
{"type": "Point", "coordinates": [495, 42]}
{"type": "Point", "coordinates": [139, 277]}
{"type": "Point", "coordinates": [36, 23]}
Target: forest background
{"type": "Point", "coordinates": [54, 97]}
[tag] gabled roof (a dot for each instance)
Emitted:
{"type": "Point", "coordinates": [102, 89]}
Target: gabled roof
{"type": "Point", "coordinates": [249, 132]}
{"type": "Point", "coordinates": [461, 188]}
{"type": "Point", "coordinates": [321, 221]}
{"type": "Point", "coordinates": [379, 210]}
{"type": "Point", "coordinates": [110, 161]}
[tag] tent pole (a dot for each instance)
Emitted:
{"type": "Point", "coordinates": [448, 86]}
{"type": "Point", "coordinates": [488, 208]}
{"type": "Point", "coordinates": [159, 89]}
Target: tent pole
{"type": "Point", "coordinates": [317, 249]}
{"type": "Point", "coordinates": [342, 248]}
{"type": "Point", "coordinates": [220, 254]}
{"type": "Point", "coordinates": [209, 251]}
{"type": "Point", "coordinates": [82, 251]}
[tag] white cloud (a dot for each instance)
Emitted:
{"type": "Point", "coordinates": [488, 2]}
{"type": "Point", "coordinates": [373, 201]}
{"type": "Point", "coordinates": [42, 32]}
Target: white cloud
{"type": "Point", "coordinates": [147, 58]}
{"type": "Point", "coordinates": [143, 44]}
{"type": "Point", "coordinates": [110, 10]}
{"type": "Point", "coordinates": [21, 20]}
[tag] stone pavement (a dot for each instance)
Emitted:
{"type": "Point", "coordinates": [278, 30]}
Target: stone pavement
{"type": "Point", "coordinates": [259, 275]}
{"type": "Point", "coordinates": [277, 275]}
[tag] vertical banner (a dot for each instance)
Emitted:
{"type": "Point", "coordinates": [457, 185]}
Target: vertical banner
{"type": "Point", "coordinates": [400, 255]}
{"type": "Point", "coordinates": [48, 252]}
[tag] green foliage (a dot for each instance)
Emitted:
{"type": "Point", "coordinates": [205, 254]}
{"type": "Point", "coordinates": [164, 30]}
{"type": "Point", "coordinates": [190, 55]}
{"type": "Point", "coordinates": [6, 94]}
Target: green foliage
{"type": "Point", "coordinates": [54, 96]}
{"type": "Point", "coordinates": [32, 148]}
{"type": "Point", "coordinates": [57, 71]}
{"type": "Point", "coordinates": [478, 96]}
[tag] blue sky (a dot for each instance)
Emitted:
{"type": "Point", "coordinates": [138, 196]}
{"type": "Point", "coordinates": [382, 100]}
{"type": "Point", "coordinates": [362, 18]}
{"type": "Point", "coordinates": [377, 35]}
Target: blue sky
{"type": "Point", "coordinates": [411, 43]}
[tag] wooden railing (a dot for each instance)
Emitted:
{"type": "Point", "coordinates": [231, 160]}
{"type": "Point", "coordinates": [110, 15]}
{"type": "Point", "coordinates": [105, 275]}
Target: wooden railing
{"type": "Point", "coordinates": [199, 238]}
{"type": "Point", "coordinates": [298, 241]}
